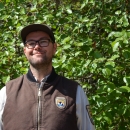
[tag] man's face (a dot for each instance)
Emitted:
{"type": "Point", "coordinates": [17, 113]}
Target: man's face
{"type": "Point", "coordinates": [40, 56]}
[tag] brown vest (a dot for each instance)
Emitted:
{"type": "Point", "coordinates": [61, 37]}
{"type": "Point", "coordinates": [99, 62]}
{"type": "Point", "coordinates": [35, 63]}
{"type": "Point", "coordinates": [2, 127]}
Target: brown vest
{"type": "Point", "coordinates": [57, 104]}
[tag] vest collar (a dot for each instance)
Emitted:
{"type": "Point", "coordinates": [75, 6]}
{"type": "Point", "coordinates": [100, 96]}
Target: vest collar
{"type": "Point", "coordinates": [52, 76]}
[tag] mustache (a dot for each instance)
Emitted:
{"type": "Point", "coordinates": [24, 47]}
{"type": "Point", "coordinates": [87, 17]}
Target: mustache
{"type": "Point", "coordinates": [37, 52]}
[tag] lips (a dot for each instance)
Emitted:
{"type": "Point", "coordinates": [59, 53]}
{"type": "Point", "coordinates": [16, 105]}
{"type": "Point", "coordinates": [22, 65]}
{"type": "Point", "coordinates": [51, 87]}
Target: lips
{"type": "Point", "coordinates": [38, 53]}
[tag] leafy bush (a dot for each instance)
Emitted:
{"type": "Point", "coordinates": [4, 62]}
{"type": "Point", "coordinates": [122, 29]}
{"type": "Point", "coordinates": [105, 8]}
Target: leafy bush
{"type": "Point", "coordinates": [93, 48]}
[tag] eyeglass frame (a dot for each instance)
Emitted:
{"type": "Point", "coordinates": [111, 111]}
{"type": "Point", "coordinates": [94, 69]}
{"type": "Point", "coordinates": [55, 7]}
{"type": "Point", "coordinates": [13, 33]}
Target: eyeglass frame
{"type": "Point", "coordinates": [37, 42]}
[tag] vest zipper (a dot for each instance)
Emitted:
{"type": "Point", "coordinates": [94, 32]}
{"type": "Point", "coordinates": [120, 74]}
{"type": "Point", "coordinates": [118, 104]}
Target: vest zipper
{"type": "Point", "coordinates": [39, 107]}
{"type": "Point", "coordinates": [39, 110]}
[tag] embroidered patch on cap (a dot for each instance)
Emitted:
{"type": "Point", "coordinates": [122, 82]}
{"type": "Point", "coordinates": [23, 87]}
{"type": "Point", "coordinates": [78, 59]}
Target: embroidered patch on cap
{"type": "Point", "coordinates": [60, 102]}
{"type": "Point", "coordinates": [89, 113]}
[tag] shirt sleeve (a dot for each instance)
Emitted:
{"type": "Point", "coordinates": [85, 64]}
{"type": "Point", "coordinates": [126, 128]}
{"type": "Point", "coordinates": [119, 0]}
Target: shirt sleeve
{"type": "Point", "coordinates": [2, 104]}
{"type": "Point", "coordinates": [84, 119]}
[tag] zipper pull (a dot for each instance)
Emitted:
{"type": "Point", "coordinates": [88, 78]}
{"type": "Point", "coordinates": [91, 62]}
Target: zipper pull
{"type": "Point", "coordinates": [40, 88]}
{"type": "Point", "coordinates": [39, 92]}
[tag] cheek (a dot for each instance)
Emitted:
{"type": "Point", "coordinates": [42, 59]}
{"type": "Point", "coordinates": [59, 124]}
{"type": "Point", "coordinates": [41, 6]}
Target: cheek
{"type": "Point", "coordinates": [26, 52]}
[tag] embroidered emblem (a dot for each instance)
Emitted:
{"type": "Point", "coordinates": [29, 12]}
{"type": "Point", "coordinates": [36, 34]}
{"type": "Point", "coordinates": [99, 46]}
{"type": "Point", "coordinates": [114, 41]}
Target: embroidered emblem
{"type": "Point", "coordinates": [89, 113]}
{"type": "Point", "coordinates": [60, 102]}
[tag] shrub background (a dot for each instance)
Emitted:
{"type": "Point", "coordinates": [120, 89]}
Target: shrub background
{"type": "Point", "coordinates": [93, 48]}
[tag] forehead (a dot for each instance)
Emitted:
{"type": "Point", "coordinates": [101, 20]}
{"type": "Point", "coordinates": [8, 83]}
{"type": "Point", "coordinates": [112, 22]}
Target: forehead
{"type": "Point", "coordinates": [37, 35]}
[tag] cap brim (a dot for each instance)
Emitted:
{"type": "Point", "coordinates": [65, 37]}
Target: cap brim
{"type": "Point", "coordinates": [36, 27]}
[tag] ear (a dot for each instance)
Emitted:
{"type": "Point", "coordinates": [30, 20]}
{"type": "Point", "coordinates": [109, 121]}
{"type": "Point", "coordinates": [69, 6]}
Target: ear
{"type": "Point", "coordinates": [24, 50]}
{"type": "Point", "coordinates": [55, 48]}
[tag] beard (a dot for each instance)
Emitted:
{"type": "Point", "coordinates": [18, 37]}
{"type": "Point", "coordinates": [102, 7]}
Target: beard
{"type": "Point", "coordinates": [40, 62]}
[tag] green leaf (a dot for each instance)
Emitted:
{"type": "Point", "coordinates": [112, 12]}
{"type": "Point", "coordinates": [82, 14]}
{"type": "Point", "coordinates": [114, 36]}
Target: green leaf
{"type": "Point", "coordinates": [114, 57]}
{"type": "Point", "coordinates": [126, 80]}
{"type": "Point", "coordinates": [67, 39]}
{"type": "Point", "coordinates": [125, 20]}
{"type": "Point", "coordinates": [40, 1]}
{"type": "Point", "coordinates": [97, 54]}
{"type": "Point", "coordinates": [115, 45]}
{"type": "Point", "coordinates": [1, 6]}
{"type": "Point", "coordinates": [69, 11]}
{"type": "Point", "coordinates": [106, 71]}
{"type": "Point", "coordinates": [110, 63]}
{"type": "Point", "coordinates": [78, 43]}
{"type": "Point", "coordinates": [124, 89]}
{"type": "Point", "coordinates": [33, 9]}
{"type": "Point", "coordinates": [126, 54]}
{"type": "Point", "coordinates": [63, 59]}
{"type": "Point", "coordinates": [66, 46]}
{"type": "Point", "coordinates": [118, 12]}
{"type": "Point", "coordinates": [108, 120]}
{"type": "Point", "coordinates": [5, 79]}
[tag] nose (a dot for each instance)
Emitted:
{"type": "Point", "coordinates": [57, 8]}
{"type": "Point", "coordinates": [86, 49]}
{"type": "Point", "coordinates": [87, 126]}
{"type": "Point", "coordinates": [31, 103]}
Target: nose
{"type": "Point", "coordinates": [37, 45]}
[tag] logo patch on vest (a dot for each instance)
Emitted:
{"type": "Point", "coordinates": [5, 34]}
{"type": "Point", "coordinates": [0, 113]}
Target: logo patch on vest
{"type": "Point", "coordinates": [89, 113]}
{"type": "Point", "coordinates": [60, 102]}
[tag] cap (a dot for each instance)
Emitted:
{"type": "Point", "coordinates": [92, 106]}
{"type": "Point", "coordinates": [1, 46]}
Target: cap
{"type": "Point", "coordinates": [36, 27]}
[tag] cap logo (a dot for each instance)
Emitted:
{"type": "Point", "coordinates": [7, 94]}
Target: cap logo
{"type": "Point", "coordinates": [60, 102]}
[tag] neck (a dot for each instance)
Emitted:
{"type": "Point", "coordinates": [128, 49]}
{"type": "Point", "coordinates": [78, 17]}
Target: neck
{"type": "Point", "coordinates": [40, 73]}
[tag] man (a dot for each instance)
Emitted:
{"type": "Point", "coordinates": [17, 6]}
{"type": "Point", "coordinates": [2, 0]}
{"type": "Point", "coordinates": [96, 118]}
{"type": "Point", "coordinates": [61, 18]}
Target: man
{"type": "Point", "coordinates": [41, 99]}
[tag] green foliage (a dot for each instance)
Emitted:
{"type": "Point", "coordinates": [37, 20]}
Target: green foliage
{"type": "Point", "coordinates": [93, 48]}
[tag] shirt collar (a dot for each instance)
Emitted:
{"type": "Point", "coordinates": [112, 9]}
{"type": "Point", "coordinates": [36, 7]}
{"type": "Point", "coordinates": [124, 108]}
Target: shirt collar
{"type": "Point", "coordinates": [44, 79]}
{"type": "Point", "coordinates": [49, 78]}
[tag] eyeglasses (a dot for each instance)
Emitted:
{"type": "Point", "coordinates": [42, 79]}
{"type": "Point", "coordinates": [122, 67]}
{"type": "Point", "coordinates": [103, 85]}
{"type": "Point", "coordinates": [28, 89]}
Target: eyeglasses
{"type": "Point", "coordinates": [42, 43]}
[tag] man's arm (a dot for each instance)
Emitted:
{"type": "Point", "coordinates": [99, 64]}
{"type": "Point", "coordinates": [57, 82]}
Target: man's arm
{"type": "Point", "coordinates": [2, 104]}
{"type": "Point", "coordinates": [84, 121]}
